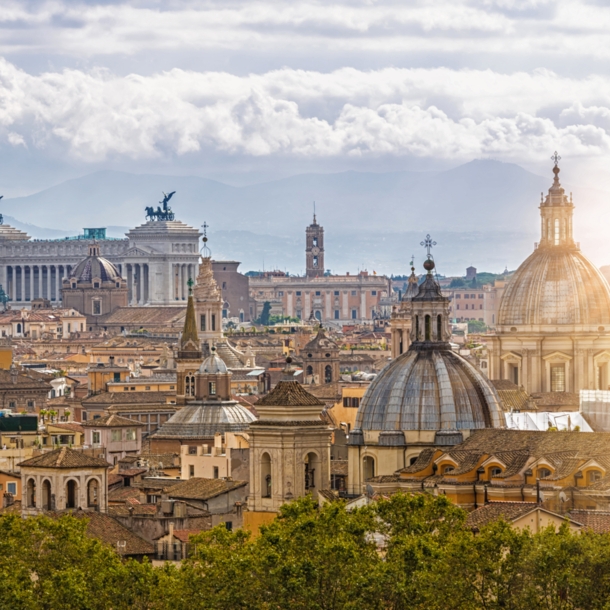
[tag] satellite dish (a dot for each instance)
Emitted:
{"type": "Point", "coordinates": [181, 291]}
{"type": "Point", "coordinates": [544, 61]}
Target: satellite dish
{"type": "Point", "coordinates": [370, 492]}
{"type": "Point", "coordinates": [563, 497]}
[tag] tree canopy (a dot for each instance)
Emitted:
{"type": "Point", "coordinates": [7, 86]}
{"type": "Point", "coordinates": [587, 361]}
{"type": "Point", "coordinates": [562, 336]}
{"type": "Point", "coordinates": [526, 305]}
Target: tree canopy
{"type": "Point", "coordinates": [403, 552]}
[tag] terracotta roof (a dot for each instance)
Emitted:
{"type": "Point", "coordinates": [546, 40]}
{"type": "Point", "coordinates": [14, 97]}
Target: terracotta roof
{"type": "Point", "coordinates": [132, 472]}
{"type": "Point", "coordinates": [68, 426]}
{"type": "Point", "coordinates": [123, 493]}
{"type": "Point", "coordinates": [202, 489]}
{"type": "Point", "coordinates": [111, 421]}
{"type": "Point", "coordinates": [561, 400]}
{"type": "Point", "coordinates": [114, 398]}
{"type": "Point", "coordinates": [122, 510]}
{"type": "Point", "coordinates": [599, 522]}
{"type": "Point", "coordinates": [184, 535]}
{"type": "Point", "coordinates": [110, 531]}
{"type": "Point", "coordinates": [512, 396]}
{"type": "Point", "coordinates": [423, 461]}
{"type": "Point", "coordinates": [509, 511]}
{"type": "Point", "coordinates": [339, 467]}
{"type": "Point", "coordinates": [289, 394]}
{"type": "Point", "coordinates": [151, 316]}
{"type": "Point", "coordinates": [23, 381]}
{"type": "Point", "coordinates": [65, 458]}
{"type": "Point", "coordinates": [113, 479]}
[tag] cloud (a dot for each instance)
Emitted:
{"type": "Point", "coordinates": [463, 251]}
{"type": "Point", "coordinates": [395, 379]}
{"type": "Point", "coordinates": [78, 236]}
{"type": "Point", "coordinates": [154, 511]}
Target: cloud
{"type": "Point", "coordinates": [93, 116]}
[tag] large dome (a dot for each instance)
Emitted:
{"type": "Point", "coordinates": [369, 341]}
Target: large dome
{"type": "Point", "coordinates": [556, 286]}
{"type": "Point", "coordinates": [95, 266]}
{"type": "Point", "coordinates": [429, 388]}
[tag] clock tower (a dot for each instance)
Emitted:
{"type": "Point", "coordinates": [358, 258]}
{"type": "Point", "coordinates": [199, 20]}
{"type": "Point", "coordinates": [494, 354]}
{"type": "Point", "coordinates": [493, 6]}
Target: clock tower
{"type": "Point", "coordinates": [314, 249]}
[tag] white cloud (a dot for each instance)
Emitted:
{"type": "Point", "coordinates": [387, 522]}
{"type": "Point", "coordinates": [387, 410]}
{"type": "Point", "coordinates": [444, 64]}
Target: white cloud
{"type": "Point", "coordinates": [97, 115]}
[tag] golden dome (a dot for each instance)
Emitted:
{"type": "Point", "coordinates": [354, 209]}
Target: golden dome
{"type": "Point", "coordinates": [557, 284]}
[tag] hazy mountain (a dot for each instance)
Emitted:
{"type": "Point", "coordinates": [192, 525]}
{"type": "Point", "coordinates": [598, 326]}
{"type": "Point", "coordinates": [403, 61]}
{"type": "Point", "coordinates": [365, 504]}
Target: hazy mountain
{"type": "Point", "coordinates": [483, 213]}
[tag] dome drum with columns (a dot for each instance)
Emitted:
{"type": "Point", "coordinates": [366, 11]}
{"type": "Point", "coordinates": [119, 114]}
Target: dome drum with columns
{"type": "Point", "coordinates": [553, 331]}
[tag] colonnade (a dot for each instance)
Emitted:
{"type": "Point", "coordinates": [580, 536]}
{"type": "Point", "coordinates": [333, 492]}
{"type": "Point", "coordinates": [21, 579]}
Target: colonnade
{"type": "Point", "coordinates": [181, 273]}
{"type": "Point", "coordinates": [28, 282]}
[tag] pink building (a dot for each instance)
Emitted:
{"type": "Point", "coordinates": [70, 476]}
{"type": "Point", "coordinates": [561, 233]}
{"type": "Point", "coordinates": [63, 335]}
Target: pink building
{"type": "Point", "coordinates": [117, 435]}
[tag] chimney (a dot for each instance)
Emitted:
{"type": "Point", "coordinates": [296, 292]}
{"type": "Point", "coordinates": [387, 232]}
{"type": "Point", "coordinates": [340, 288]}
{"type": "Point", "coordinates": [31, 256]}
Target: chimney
{"type": "Point", "coordinates": [111, 361]}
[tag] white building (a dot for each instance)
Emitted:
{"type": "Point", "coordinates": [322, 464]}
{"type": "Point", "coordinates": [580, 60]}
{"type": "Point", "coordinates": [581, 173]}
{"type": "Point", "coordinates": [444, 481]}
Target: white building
{"type": "Point", "coordinates": [157, 259]}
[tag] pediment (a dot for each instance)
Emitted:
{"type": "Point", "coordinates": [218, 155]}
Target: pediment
{"type": "Point", "coordinates": [511, 357]}
{"type": "Point", "coordinates": [557, 357]}
{"type": "Point", "coordinates": [602, 357]}
{"type": "Point", "coordinates": [138, 251]}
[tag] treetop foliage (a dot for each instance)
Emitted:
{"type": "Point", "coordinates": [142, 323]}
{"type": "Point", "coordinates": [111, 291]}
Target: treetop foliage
{"type": "Point", "coordinates": [404, 552]}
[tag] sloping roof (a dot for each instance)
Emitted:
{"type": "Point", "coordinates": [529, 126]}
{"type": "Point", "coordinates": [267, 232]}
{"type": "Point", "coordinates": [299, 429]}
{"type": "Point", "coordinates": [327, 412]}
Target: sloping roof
{"type": "Point", "coordinates": [123, 510]}
{"type": "Point", "coordinates": [512, 396]}
{"type": "Point", "coordinates": [184, 535]}
{"type": "Point", "coordinates": [509, 511]}
{"type": "Point", "coordinates": [123, 494]}
{"type": "Point", "coordinates": [599, 522]}
{"type": "Point", "coordinates": [147, 316]}
{"type": "Point", "coordinates": [113, 398]}
{"type": "Point", "coordinates": [202, 489]}
{"type": "Point", "coordinates": [23, 381]}
{"type": "Point", "coordinates": [289, 394]}
{"type": "Point", "coordinates": [423, 461]}
{"type": "Point", "coordinates": [73, 427]}
{"type": "Point", "coordinates": [110, 531]}
{"type": "Point", "coordinates": [111, 421]}
{"type": "Point", "coordinates": [65, 458]}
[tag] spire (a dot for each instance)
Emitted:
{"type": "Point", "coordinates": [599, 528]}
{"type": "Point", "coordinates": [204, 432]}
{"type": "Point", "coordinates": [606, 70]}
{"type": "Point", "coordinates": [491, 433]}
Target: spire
{"type": "Point", "coordinates": [189, 340]}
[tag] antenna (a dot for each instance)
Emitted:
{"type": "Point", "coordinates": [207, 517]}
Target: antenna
{"type": "Point", "coordinates": [314, 212]}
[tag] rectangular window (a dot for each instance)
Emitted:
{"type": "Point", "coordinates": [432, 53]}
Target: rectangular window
{"type": "Point", "coordinates": [458, 296]}
{"type": "Point", "coordinates": [354, 314]}
{"type": "Point", "coordinates": [116, 436]}
{"type": "Point", "coordinates": [130, 434]}
{"type": "Point", "coordinates": [96, 437]}
{"type": "Point", "coordinates": [480, 296]}
{"type": "Point", "coordinates": [336, 293]}
{"type": "Point", "coordinates": [457, 306]}
{"type": "Point", "coordinates": [558, 378]}
{"type": "Point", "coordinates": [298, 293]}
{"type": "Point", "coordinates": [191, 470]}
{"type": "Point", "coordinates": [336, 314]}
{"type": "Point", "coordinates": [373, 293]}
{"type": "Point", "coordinates": [97, 308]}
{"type": "Point", "coordinates": [11, 488]}
{"type": "Point", "coordinates": [192, 449]}
{"type": "Point", "coordinates": [317, 293]}
{"type": "Point", "coordinates": [125, 389]}
{"type": "Point", "coordinates": [353, 293]}
{"type": "Point", "coordinates": [30, 403]}
{"type": "Point", "coordinates": [466, 296]}
{"type": "Point", "coordinates": [12, 404]}
{"type": "Point", "coordinates": [280, 293]}
{"type": "Point", "coordinates": [147, 387]}
{"type": "Point", "coordinates": [213, 321]}
{"type": "Point", "coordinates": [203, 325]}
{"type": "Point", "coordinates": [215, 472]}
{"type": "Point", "coordinates": [212, 388]}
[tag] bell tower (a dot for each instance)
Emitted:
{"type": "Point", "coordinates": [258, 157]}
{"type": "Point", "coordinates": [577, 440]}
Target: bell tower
{"type": "Point", "coordinates": [314, 249]}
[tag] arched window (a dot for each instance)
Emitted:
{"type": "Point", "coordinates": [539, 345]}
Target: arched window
{"type": "Point", "coordinates": [46, 495]}
{"type": "Point", "coordinates": [71, 494]}
{"type": "Point", "coordinates": [368, 467]}
{"type": "Point", "coordinates": [543, 473]}
{"type": "Point", "coordinates": [19, 328]}
{"type": "Point", "coordinates": [556, 231]}
{"type": "Point", "coordinates": [31, 493]}
{"type": "Point", "coordinates": [448, 469]}
{"type": "Point", "coordinates": [428, 329]}
{"type": "Point", "coordinates": [328, 374]}
{"type": "Point", "coordinates": [311, 463]}
{"type": "Point", "coordinates": [439, 328]}
{"type": "Point", "coordinates": [266, 475]}
{"type": "Point", "coordinates": [93, 493]}
{"type": "Point", "coordinates": [309, 370]}
{"type": "Point", "coordinates": [189, 384]}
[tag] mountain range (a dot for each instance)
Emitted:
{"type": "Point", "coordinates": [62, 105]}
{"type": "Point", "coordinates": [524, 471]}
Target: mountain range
{"type": "Point", "coordinates": [483, 213]}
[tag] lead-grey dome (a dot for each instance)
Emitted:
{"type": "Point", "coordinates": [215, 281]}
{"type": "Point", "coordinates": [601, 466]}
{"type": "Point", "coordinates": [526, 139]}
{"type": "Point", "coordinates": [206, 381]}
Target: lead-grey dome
{"type": "Point", "coordinates": [95, 266]}
{"type": "Point", "coordinates": [213, 364]}
{"type": "Point", "coordinates": [556, 286]}
{"type": "Point", "coordinates": [429, 388]}
{"type": "Point", "coordinates": [205, 420]}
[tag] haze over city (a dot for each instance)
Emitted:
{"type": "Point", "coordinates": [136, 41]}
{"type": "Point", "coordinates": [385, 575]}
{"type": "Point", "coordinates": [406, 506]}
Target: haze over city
{"type": "Point", "coordinates": [252, 93]}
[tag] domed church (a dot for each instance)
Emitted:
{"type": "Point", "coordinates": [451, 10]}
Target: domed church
{"type": "Point", "coordinates": [429, 396]}
{"type": "Point", "coordinates": [553, 329]}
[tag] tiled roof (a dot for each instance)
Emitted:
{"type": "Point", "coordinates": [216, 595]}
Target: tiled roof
{"type": "Point", "coordinates": [509, 511]}
{"type": "Point", "coordinates": [423, 461]}
{"type": "Point", "coordinates": [466, 461]}
{"type": "Point", "coordinates": [110, 531]}
{"type": "Point", "coordinates": [123, 493]}
{"type": "Point", "coordinates": [111, 421]}
{"type": "Point", "coordinates": [23, 381]}
{"type": "Point", "coordinates": [561, 400]}
{"type": "Point", "coordinates": [151, 316]}
{"type": "Point", "coordinates": [121, 398]}
{"type": "Point", "coordinates": [599, 522]}
{"type": "Point", "coordinates": [122, 510]}
{"type": "Point", "coordinates": [512, 396]}
{"type": "Point", "coordinates": [68, 426]}
{"type": "Point", "coordinates": [202, 489]}
{"type": "Point", "coordinates": [184, 535]}
{"type": "Point", "coordinates": [65, 458]}
{"type": "Point", "coordinates": [289, 394]}
{"type": "Point", "coordinates": [514, 460]}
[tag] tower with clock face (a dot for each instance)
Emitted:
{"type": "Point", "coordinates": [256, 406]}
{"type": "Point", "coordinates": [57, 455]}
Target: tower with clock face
{"type": "Point", "coordinates": [314, 249]}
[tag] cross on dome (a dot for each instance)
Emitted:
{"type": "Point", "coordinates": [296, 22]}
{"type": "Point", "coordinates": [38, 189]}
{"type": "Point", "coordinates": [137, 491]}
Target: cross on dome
{"type": "Point", "coordinates": [428, 244]}
{"type": "Point", "coordinates": [556, 158]}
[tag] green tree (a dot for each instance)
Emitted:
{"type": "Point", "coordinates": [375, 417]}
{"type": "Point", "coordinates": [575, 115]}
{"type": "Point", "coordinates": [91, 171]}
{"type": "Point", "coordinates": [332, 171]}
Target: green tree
{"type": "Point", "coordinates": [476, 326]}
{"type": "Point", "coordinates": [264, 317]}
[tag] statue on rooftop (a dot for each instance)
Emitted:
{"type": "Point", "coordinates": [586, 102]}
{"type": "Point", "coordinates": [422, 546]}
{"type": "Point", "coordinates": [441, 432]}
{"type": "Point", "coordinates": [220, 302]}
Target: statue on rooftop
{"type": "Point", "coordinates": [161, 213]}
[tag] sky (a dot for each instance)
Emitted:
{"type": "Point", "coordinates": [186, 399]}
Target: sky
{"type": "Point", "coordinates": [251, 91]}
